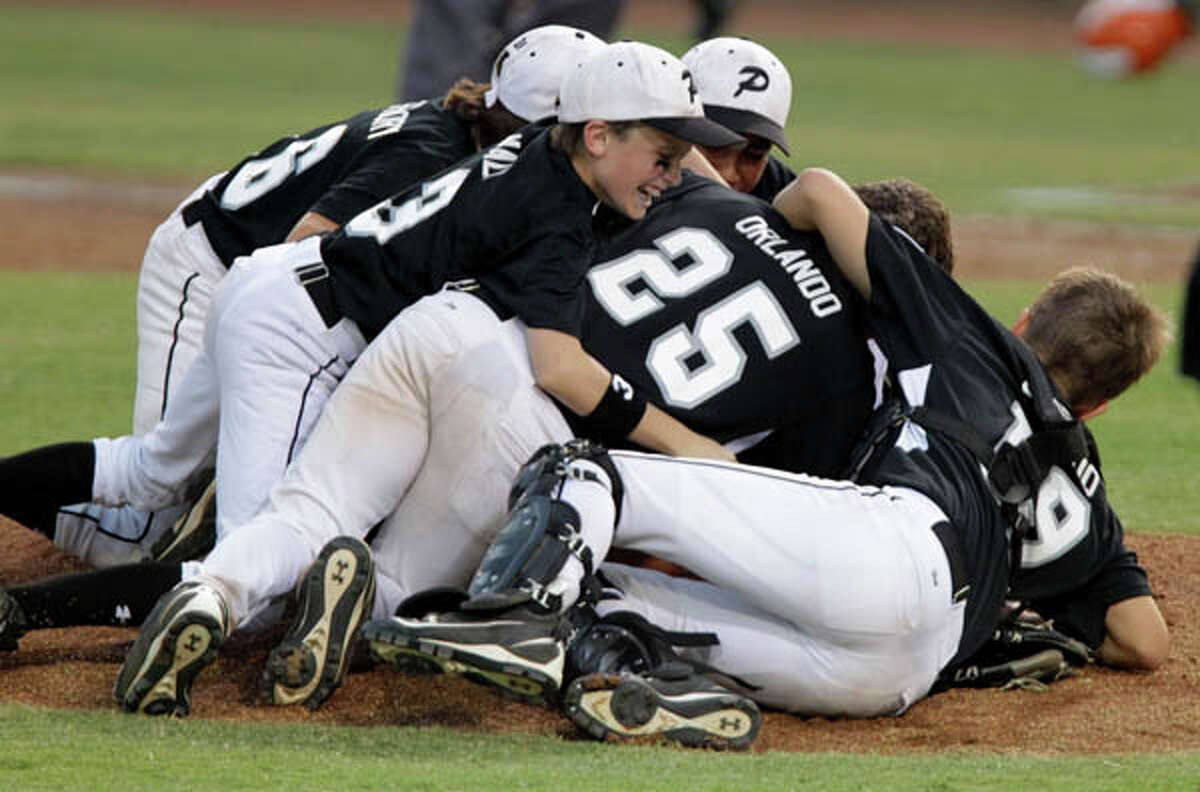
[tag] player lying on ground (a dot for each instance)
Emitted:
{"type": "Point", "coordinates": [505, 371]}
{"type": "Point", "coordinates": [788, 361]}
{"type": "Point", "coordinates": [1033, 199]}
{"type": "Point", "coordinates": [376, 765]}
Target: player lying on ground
{"type": "Point", "coordinates": [437, 415]}
{"type": "Point", "coordinates": [833, 597]}
{"type": "Point", "coordinates": [294, 187]}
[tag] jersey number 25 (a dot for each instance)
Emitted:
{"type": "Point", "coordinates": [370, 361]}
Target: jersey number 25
{"type": "Point", "coordinates": [712, 338]}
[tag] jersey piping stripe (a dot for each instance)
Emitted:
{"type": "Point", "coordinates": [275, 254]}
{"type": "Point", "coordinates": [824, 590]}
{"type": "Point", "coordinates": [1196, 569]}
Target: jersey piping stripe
{"type": "Point", "coordinates": [304, 400]}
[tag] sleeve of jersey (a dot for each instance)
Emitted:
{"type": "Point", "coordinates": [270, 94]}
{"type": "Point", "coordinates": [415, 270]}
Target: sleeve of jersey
{"type": "Point", "coordinates": [915, 309]}
{"type": "Point", "coordinates": [381, 171]}
{"type": "Point", "coordinates": [543, 285]}
{"type": "Point", "coordinates": [1082, 612]}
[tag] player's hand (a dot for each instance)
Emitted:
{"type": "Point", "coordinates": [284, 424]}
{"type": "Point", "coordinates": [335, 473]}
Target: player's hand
{"type": "Point", "coordinates": [1117, 38]}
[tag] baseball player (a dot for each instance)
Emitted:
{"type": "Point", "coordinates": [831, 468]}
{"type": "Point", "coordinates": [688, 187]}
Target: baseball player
{"type": "Point", "coordinates": [516, 220]}
{"type": "Point", "coordinates": [295, 187]}
{"type": "Point", "coordinates": [830, 597]}
{"type": "Point", "coordinates": [747, 89]}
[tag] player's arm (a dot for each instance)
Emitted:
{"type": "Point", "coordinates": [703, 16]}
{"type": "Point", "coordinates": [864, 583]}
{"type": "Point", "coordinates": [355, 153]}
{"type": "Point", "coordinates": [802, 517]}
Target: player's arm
{"type": "Point", "coordinates": [563, 369]}
{"type": "Point", "coordinates": [818, 200]}
{"type": "Point", "coordinates": [311, 224]}
{"type": "Point", "coordinates": [1135, 635]}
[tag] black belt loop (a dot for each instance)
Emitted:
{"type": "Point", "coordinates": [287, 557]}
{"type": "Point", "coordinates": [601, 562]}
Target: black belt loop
{"type": "Point", "coordinates": [315, 280]}
{"type": "Point", "coordinates": [192, 213]}
{"type": "Point", "coordinates": [960, 583]}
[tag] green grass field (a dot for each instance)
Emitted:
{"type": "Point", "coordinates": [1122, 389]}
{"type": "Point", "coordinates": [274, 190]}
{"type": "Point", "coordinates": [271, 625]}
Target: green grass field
{"type": "Point", "coordinates": [167, 96]}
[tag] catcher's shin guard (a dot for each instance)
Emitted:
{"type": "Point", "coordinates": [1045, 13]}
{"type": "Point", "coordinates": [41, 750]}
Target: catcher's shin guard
{"type": "Point", "coordinates": [541, 531]}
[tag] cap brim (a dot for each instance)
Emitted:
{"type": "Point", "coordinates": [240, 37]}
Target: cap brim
{"type": "Point", "coordinates": [698, 130]}
{"type": "Point", "coordinates": [748, 122]}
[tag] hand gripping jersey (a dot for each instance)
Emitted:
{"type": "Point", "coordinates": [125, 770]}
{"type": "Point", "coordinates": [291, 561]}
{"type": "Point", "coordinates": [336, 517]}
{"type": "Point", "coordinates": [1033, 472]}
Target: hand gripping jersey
{"type": "Point", "coordinates": [335, 170]}
{"type": "Point", "coordinates": [733, 322]}
{"type": "Point", "coordinates": [949, 356]}
{"type": "Point", "coordinates": [515, 219]}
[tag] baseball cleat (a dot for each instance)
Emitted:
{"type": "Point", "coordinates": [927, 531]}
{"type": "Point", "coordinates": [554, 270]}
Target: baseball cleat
{"type": "Point", "coordinates": [12, 622]}
{"type": "Point", "coordinates": [515, 652]}
{"type": "Point", "coordinates": [691, 710]}
{"type": "Point", "coordinates": [193, 534]}
{"type": "Point", "coordinates": [336, 595]}
{"type": "Point", "coordinates": [178, 639]}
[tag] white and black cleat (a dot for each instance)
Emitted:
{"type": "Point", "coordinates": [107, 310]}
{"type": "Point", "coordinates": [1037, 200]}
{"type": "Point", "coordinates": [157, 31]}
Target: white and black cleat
{"type": "Point", "coordinates": [179, 638]}
{"type": "Point", "coordinates": [336, 595]}
{"type": "Point", "coordinates": [517, 653]}
{"type": "Point", "coordinates": [194, 534]}
{"type": "Point", "coordinates": [691, 711]}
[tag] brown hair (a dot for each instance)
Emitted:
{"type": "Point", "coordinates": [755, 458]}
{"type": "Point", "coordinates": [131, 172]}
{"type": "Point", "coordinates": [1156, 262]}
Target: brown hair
{"type": "Point", "coordinates": [488, 124]}
{"type": "Point", "coordinates": [916, 211]}
{"type": "Point", "coordinates": [568, 138]}
{"type": "Point", "coordinates": [1095, 335]}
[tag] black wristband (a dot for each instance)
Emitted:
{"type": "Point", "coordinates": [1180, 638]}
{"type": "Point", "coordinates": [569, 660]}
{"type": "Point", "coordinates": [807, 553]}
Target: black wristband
{"type": "Point", "coordinates": [618, 413]}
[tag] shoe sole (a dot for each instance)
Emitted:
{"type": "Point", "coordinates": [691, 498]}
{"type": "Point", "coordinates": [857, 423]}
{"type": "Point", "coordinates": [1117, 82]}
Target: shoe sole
{"type": "Point", "coordinates": [311, 662]}
{"type": "Point", "coordinates": [414, 654]}
{"type": "Point", "coordinates": [622, 707]}
{"type": "Point", "coordinates": [162, 682]}
{"type": "Point", "coordinates": [194, 535]}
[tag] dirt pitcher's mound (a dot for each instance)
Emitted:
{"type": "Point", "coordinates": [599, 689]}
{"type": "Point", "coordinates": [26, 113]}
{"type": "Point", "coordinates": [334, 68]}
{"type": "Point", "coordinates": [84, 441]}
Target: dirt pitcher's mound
{"type": "Point", "coordinates": [75, 668]}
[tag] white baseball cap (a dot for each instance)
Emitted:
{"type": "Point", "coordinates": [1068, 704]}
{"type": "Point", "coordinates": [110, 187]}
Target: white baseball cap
{"type": "Point", "coordinates": [743, 86]}
{"type": "Point", "coordinates": [631, 81]}
{"type": "Point", "coordinates": [527, 73]}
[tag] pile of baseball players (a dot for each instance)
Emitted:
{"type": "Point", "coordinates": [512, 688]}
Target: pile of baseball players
{"type": "Point", "coordinates": [564, 383]}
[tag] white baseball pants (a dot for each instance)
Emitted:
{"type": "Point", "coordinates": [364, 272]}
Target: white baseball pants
{"type": "Point", "coordinates": [179, 274]}
{"type": "Point", "coordinates": [426, 433]}
{"type": "Point", "coordinates": [835, 599]}
{"type": "Point", "coordinates": [267, 367]}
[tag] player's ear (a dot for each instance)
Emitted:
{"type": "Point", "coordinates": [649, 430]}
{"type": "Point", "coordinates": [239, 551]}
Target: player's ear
{"type": "Point", "coordinates": [1088, 413]}
{"type": "Point", "coordinates": [1021, 324]}
{"type": "Point", "coordinates": [596, 137]}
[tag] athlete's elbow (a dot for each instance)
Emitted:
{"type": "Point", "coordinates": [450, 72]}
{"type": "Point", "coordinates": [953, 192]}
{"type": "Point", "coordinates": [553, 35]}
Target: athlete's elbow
{"type": "Point", "coordinates": [1150, 652]}
{"type": "Point", "coordinates": [1145, 651]}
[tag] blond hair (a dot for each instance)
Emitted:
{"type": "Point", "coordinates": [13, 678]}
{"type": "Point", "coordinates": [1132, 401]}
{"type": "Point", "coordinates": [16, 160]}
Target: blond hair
{"type": "Point", "coordinates": [1095, 335]}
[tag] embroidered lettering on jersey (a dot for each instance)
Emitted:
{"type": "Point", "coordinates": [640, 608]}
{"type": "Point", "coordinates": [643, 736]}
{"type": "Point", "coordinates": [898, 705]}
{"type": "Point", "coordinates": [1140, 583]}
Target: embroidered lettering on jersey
{"type": "Point", "coordinates": [390, 120]}
{"type": "Point", "coordinates": [500, 157]}
{"type": "Point", "coordinates": [810, 281]}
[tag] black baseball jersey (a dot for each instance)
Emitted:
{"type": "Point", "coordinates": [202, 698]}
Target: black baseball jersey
{"type": "Point", "coordinates": [948, 355]}
{"type": "Point", "coordinates": [336, 170]}
{"type": "Point", "coordinates": [775, 177]}
{"type": "Point", "coordinates": [516, 219]}
{"type": "Point", "coordinates": [720, 313]}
